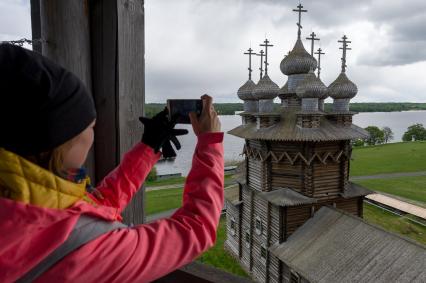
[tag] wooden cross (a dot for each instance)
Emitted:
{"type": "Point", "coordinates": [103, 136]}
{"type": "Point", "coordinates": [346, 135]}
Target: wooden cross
{"type": "Point", "coordinates": [312, 38]}
{"type": "Point", "coordinates": [319, 60]}
{"type": "Point", "coordinates": [299, 24]}
{"type": "Point", "coordinates": [344, 48]}
{"type": "Point", "coordinates": [249, 53]}
{"type": "Point", "coordinates": [261, 62]}
{"type": "Point", "coordinates": [266, 45]}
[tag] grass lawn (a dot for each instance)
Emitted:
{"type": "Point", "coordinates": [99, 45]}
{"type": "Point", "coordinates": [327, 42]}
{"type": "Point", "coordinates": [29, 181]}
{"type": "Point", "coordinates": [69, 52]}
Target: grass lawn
{"type": "Point", "coordinates": [174, 181]}
{"type": "Point", "coordinates": [162, 200]}
{"type": "Point", "coordinates": [394, 223]}
{"type": "Point", "coordinates": [412, 188]}
{"type": "Point", "coordinates": [217, 257]}
{"type": "Point", "coordinates": [171, 181]}
{"type": "Point", "coordinates": [389, 158]}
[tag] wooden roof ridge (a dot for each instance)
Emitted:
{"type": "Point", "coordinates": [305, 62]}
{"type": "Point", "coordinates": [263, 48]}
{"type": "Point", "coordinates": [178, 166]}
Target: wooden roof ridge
{"type": "Point", "coordinates": [336, 246]}
{"type": "Point", "coordinates": [286, 197]}
{"type": "Point", "coordinates": [288, 130]}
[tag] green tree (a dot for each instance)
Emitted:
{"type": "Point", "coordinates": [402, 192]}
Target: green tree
{"type": "Point", "coordinates": [415, 132]}
{"type": "Point", "coordinates": [152, 176]}
{"type": "Point", "coordinates": [358, 142]}
{"type": "Point", "coordinates": [388, 134]}
{"type": "Point", "coordinates": [376, 135]}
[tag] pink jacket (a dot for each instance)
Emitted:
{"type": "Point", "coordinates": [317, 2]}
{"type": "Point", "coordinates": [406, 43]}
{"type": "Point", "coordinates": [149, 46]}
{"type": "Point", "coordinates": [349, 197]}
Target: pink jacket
{"type": "Point", "coordinates": [142, 253]}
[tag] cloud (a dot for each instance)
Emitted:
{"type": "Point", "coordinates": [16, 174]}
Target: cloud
{"type": "Point", "coordinates": [197, 46]}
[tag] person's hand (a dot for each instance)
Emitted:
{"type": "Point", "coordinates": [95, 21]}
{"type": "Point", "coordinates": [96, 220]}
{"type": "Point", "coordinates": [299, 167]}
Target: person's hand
{"type": "Point", "coordinates": [159, 132]}
{"type": "Point", "coordinates": [208, 121]}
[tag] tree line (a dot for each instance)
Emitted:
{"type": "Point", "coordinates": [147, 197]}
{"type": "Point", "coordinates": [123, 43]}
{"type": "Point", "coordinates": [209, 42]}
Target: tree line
{"type": "Point", "coordinates": [416, 132]}
{"type": "Point", "coordinates": [230, 108]}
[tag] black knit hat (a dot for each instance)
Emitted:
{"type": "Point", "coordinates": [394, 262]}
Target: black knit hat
{"type": "Point", "coordinates": [42, 105]}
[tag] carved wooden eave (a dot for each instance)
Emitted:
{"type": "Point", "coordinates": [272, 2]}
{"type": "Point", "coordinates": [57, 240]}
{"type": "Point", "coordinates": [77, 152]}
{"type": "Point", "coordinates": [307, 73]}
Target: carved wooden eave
{"type": "Point", "coordinates": [285, 156]}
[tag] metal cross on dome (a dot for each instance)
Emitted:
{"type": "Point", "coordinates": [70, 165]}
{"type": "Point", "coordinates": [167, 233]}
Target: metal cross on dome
{"type": "Point", "coordinates": [312, 38]}
{"type": "Point", "coordinates": [299, 24]}
{"type": "Point", "coordinates": [266, 45]}
{"type": "Point", "coordinates": [344, 48]}
{"type": "Point", "coordinates": [261, 62]}
{"type": "Point", "coordinates": [249, 53]}
{"type": "Point", "coordinates": [319, 60]}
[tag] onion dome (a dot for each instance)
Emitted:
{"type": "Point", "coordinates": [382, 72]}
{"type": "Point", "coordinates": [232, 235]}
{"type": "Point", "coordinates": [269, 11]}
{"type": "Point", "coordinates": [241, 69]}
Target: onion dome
{"type": "Point", "coordinates": [245, 92]}
{"type": "Point", "coordinates": [299, 61]}
{"type": "Point", "coordinates": [266, 89]}
{"type": "Point", "coordinates": [311, 87]}
{"type": "Point", "coordinates": [342, 88]}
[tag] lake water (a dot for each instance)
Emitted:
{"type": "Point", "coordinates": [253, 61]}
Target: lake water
{"type": "Point", "coordinates": [397, 121]}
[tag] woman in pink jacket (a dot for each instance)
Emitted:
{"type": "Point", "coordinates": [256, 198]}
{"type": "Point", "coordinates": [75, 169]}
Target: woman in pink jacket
{"type": "Point", "coordinates": [46, 123]}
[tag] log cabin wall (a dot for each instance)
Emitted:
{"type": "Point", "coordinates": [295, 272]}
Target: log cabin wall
{"type": "Point", "coordinates": [257, 168]}
{"type": "Point", "coordinates": [284, 173]}
{"type": "Point", "coordinates": [259, 236]}
{"type": "Point", "coordinates": [246, 219]}
{"type": "Point", "coordinates": [232, 214]}
{"type": "Point", "coordinates": [330, 174]}
{"type": "Point", "coordinates": [274, 228]}
{"type": "Point", "coordinates": [296, 216]}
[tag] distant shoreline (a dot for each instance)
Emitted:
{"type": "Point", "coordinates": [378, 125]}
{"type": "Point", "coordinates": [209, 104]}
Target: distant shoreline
{"type": "Point", "coordinates": [361, 107]}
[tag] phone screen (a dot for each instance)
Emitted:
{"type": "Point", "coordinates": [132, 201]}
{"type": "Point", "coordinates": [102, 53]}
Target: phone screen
{"type": "Point", "coordinates": [180, 109]}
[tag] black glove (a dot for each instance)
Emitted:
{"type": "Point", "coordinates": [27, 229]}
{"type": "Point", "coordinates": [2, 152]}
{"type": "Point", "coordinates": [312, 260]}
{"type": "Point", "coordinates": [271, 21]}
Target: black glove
{"type": "Point", "coordinates": [159, 131]}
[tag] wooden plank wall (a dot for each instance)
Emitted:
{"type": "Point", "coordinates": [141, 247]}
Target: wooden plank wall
{"type": "Point", "coordinates": [274, 262]}
{"type": "Point", "coordinates": [285, 174]}
{"type": "Point", "coordinates": [232, 240]}
{"type": "Point", "coordinates": [246, 220]}
{"type": "Point", "coordinates": [261, 211]}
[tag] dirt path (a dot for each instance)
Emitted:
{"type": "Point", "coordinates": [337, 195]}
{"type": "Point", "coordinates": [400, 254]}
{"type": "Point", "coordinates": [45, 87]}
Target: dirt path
{"type": "Point", "coordinates": [178, 186]}
{"type": "Point", "coordinates": [389, 176]}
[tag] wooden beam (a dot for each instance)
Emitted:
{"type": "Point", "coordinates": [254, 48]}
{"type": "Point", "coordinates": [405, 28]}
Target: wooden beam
{"type": "Point", "coordinates": [117, 34]}
{"type": "Point", "coordinates": [36, 25]}
{"type": "Point", "coordinates": [64, 25]}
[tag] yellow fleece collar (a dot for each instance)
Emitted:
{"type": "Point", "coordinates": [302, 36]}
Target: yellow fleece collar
{"type": "Point", "coordinates": [24, 181]}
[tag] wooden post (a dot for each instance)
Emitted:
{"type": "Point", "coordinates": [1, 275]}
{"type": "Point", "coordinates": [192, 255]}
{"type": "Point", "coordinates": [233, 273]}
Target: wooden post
{"type": "Point", "coordinates": [117, 35]}
{"type": "Point", "coordinates": [110, 53]}
{"type": "Point", "coordinates": [36, 25]}
{"type": "Point", "coordinates": [65, 28]}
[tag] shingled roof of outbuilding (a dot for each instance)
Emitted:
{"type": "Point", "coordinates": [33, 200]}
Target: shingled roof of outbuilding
{"type": "Point", "coordinates": [354, 190]}
{"type": "Point", "coordinates": [288, 130]}
{"type": "Point", "coordinates": [334, 246]}
{"type": "Point", "coordinates": [286, 197]}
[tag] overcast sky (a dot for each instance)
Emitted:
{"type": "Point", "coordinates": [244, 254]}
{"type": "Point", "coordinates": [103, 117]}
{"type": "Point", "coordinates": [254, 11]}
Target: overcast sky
{"type": "Point", "coordinates": [196, 46]}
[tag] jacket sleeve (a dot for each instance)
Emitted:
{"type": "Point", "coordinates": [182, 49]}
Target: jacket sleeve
{"type": "Point", "coordinates": [119, 186]}
{"type": "Point", "coordinates": [146, 252]}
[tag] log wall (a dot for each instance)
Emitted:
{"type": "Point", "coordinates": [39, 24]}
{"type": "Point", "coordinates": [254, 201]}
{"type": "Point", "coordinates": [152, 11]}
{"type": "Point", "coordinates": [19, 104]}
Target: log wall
{"type": "Point", "coordinates": [232, 239]}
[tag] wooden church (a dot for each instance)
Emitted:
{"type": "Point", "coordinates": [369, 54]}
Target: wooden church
{"type": "Point", "coordinates": [297, 160]}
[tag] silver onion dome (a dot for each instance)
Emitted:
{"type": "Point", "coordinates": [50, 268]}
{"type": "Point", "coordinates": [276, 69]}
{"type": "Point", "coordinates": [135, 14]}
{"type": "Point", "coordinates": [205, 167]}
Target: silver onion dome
{"type": "Point", "coordinates": [299, 61]}
{"type": "Point", "coordinates": [311, 87]}
{"type": "Point", "coordinates": [266, 89]}
{"type": "Point", "coordinates": [342, 88]}
{"type": "Point", "coordinates": [245, 92]}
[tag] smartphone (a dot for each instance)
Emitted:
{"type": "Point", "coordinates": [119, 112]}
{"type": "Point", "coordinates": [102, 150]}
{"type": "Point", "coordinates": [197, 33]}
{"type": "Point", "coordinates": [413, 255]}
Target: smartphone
{"type": "Point", "coordinates": [180, 108]}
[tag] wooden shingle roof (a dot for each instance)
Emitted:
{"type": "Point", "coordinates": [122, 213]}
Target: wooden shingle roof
{"type": "Point", "coordinates": [286, 197]}
{"type": "Point", "coordinates": [334, 246]}
{"type": "Point", "coordinates": [288, 130]}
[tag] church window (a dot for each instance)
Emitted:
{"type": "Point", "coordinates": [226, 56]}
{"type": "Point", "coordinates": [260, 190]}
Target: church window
{"type": "Point", "coordinates": [233, 227]}
{"type": "Point", "coordinates": [247, 239]}
{"type": "Point", "coordinates": [258, 225]}
{"type": "Point", "coordinates": [263, 253]}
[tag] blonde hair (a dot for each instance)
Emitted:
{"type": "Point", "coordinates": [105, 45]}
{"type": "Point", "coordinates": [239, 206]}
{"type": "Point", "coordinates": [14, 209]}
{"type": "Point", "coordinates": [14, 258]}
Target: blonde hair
{"type": "Point", "coordinates": [52, 160]}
